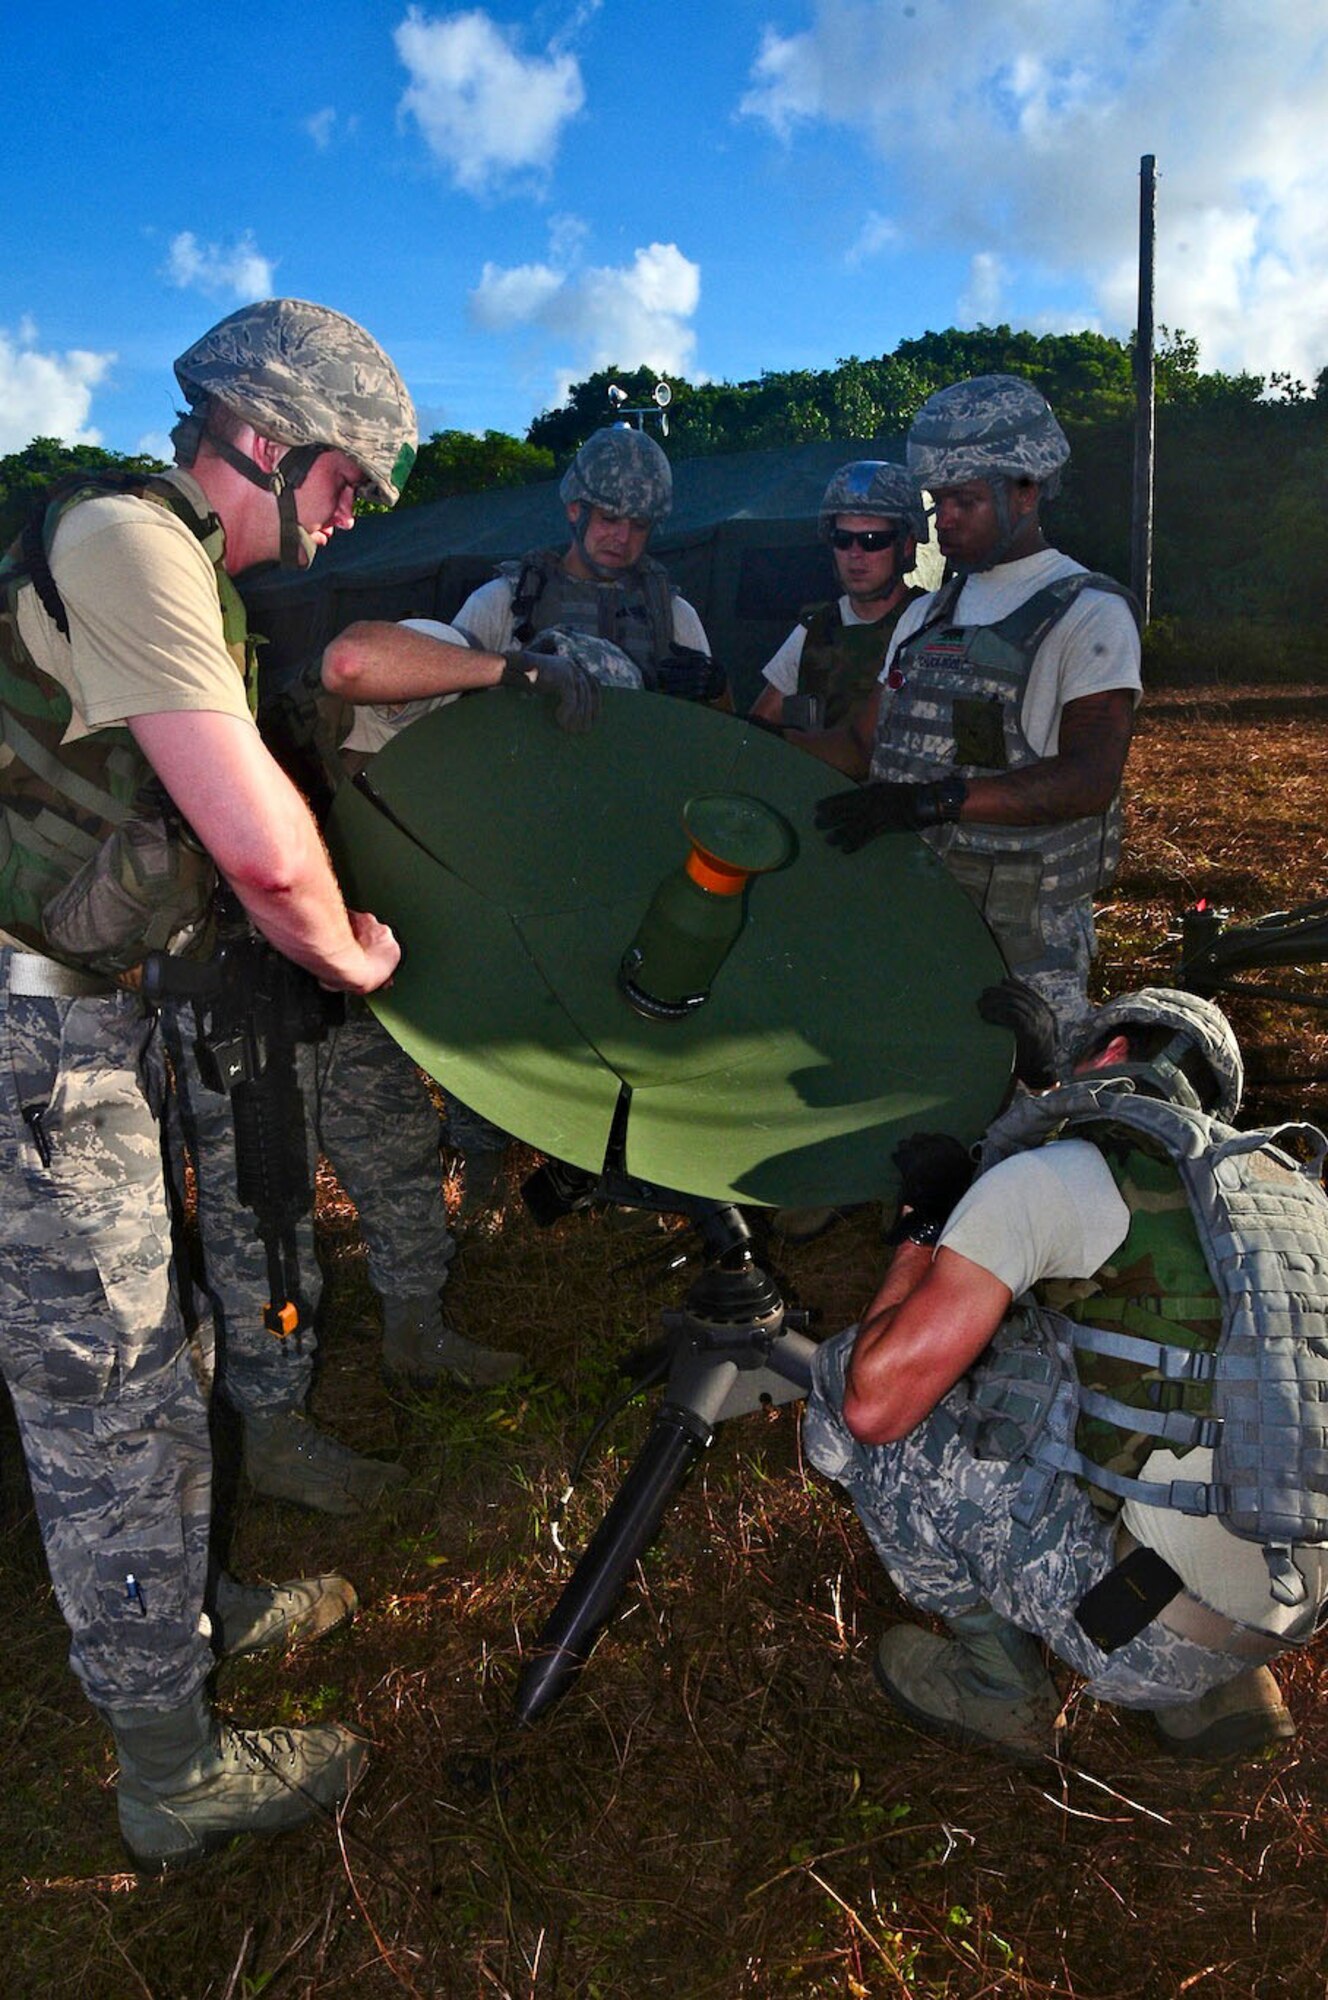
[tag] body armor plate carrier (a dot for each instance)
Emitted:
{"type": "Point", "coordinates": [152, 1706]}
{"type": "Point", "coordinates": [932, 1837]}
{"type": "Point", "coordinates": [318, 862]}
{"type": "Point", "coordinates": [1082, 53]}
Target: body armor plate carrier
{"type": "Point", "coordinates": [97, 868]}
{"type": "Point", "coordinates": [841, 664]}
{"type": "Point", "coordinates": [635, 615]}
{"type": "Point", "coordinates": [1254, 1387]}
{"type": "Point", "coordinates": [957, 709]}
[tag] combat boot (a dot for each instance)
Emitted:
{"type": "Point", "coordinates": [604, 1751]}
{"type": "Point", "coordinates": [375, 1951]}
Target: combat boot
{"type": "Point", "coordinates": [482, 1185]}
{"type": "Point", "coordinates": [252, 1617]}
{"type": "Point", "coordinates": [421, 1351]}
{"type": "Point", "coordinates": [1243, 1715]}
{"type": "Point", "coordinates": [288, 1458]}
{"type": "Point", "coordinates": [190, 1782]}
{"type": "Point", "coordinates": [985, 1684]}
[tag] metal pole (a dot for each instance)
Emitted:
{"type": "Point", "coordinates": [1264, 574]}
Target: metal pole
{"type": "Point", "coordinates": [1141, 522]}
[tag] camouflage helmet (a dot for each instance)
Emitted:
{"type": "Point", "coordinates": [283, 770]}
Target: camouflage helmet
{"type": "Point", "coordinates": [1193, 1024]}
{"type": "Point", "coordinates": [306, 376]}
{"type": "Point", "coordinates": [990, 427]}
{"type": "Point", "coordinates": [602, 660]}
{"type": "Point", "coordinates": [874, 486]}
{"type": "Point", "coordinates": [623, 472]}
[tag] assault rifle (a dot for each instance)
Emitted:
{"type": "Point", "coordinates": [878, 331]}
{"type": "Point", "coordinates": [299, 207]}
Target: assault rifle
{"type": "Point", "coordinates": [1214, 953]}
{"type": "Point", "coordinates": [252, 1007]}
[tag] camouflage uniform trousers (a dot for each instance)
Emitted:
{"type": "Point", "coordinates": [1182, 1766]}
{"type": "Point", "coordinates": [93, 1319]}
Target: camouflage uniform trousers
{"type": "Point", "coordinates": [108, 1393]}
{"type": "Point", "coordinates": [1060, 971]}
{"type": "Point", "coordinates": [369, 1110]}
{"type": "Point", "coordinates": [946, 1526]}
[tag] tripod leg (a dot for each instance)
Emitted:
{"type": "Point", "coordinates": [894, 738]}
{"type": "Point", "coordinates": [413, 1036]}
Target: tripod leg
{"type": "Point", "coordinates": [677, 1439]}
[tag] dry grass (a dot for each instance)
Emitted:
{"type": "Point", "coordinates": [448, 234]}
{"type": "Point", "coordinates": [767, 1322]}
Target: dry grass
{"type": "Point", "coordinates": [723, 1806]}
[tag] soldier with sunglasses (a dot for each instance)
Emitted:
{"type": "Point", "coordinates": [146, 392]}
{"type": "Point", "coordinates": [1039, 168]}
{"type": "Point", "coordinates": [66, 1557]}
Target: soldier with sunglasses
{"type": "Point", "coordinates": [873, 519]}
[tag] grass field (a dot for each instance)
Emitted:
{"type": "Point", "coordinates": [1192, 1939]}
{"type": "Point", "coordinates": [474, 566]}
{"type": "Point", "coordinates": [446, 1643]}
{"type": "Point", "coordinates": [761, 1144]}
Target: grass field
{"type": "Point", "coordinates": [723, 1806]}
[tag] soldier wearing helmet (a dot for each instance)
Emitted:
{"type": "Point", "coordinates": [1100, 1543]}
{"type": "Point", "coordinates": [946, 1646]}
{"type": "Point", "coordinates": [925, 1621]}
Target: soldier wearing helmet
{"type": "Point", "coordinates": [1002, 722]}
{"type": "Point", "coordinates": [615, 492]}
{"type": "Point", "coordinates": [873, 518]}
{"type": "Point", "coordinates": [137, 780]}
{"type": "Point", "coordinates": [1032, 1417]}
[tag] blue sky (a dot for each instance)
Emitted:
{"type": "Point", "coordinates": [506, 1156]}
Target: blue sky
{"type": "Point", "coordinates": [510, 196]}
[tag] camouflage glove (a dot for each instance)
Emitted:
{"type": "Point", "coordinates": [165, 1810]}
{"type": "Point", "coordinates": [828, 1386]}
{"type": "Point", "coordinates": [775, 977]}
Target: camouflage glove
{"type": "Point", "coordinates": [850, 819]}
{"type": "Point", "coordinates": [690, 675]}
{"type": "Point", "coordinates": [1030, 1020]}
{"type": "Point", "coordinates": [574, 690]}
{"type": "Point", "coordinates": [935, 1173]}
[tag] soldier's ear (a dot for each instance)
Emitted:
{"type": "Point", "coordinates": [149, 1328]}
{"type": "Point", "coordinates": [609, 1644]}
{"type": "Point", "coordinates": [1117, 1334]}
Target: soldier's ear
{"type": "Point", "coordinates": [1117, 1050]}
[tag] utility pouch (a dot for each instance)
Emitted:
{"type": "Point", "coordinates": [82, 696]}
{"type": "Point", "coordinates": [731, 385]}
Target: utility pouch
{"type": "Point", "coordinates": [979, 732]}
{"type": "Point", "coordinates": [1012, 1395]}
{"type": "Point", "coordinates": [1126, 1599]}
{"type": "Point", "coordinates": [149, 887]}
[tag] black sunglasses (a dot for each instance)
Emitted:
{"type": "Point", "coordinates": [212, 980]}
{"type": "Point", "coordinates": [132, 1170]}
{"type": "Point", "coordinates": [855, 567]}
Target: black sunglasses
{"type": "Point", "coordinates": [870, 540]}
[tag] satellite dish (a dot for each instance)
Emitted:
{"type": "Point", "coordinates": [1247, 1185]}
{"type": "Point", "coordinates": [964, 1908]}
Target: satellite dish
{"type": "Point", "coordinates": [517, 862]}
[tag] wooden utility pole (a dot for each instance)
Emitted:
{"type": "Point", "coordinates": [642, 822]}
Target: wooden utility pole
{"type": "Point", "coordinates": [1141, 522]}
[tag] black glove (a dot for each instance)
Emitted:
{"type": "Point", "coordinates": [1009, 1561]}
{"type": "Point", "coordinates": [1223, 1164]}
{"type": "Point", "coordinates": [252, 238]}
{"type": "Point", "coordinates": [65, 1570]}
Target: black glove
{"type": "Point", "coordinates": [850, 819]}
{"type": "Point", "coordinates": [690, 675]}
{"type": "Point", "coordinates": [575, 691]}
{"type": "Point", "coordinates": [1030, 1020]}
{"type": "Point", "coordinates": [935, 1172]}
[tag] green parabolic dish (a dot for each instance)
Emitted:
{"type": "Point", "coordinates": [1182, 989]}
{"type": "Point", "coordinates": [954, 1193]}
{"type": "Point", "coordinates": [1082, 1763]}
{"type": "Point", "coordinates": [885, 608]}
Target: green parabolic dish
{"type": "Point", "coordinates": [515, 866]}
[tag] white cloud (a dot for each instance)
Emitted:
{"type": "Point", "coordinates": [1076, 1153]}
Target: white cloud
{"type": "Point", "coordinates": [628, 315]}
{"type": "Point", "coordinates": [46, 394]}
{"type": "Point", "coordinates": [327, 125]}
{"type": "Point", "coordinates": [487, 112]}
{"type": "Point", "coordinates": [156, 444]}
{"type": "Point", "coordinates": [878, 233]}
{"type": "Point", "coordinates": [980, 303]}
{"type": "Point", "coordinates": [1020, 128]}
{"type": "Point", "coordinates": [214, 268]}
{"type": "Point", "coordinates": [320, 126]}
{"type": "Point", "coordinates": [516, 296]}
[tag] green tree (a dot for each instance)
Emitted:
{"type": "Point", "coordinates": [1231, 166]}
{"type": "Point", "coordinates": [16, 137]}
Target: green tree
{"type": "Point", "coordinates": [460, 462]}
{"type": "Point", "coordinates": [26, 475]}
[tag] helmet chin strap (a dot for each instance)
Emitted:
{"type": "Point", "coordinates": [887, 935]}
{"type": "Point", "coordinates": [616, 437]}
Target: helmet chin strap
{"type": "Point", "coordinates": [298, 547]}
{"type": "Point", "coordinates": [1007, 528]}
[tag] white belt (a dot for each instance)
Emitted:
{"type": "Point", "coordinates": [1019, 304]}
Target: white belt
{"type": "Point", "coordinates": [31, 977]}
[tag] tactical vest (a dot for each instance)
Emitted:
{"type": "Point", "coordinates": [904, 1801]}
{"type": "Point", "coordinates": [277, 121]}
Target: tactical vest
{"type": "Point", "coordinates": [957, 708]}
{"type": "Point", "coordinates": [841, 664]}
{"type": "Point", "coordinates": [635, 614]}
{"type": "Point", "coordinates": [97, 868]}
{"type": "Point", "coordinates": [1208, 1326]}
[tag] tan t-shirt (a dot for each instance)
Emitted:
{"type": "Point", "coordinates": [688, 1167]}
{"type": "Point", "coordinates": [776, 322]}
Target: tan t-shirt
{"type": "Point", "coordinates": [145, 627]}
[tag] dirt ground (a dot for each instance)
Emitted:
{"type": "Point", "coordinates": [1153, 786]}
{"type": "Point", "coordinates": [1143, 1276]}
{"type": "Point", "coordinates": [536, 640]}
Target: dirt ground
{"type": "Point", "coordinates": [723, 1805]}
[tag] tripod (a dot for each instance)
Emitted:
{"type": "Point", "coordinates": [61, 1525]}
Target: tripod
{"type": "Point", "coordinates": [732, 1348]}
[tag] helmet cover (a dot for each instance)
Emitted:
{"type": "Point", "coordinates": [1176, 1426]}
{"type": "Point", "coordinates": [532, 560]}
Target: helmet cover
{"type": "Point", "coordinates": [306, 375]}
